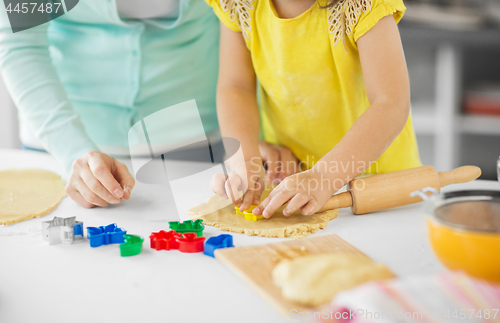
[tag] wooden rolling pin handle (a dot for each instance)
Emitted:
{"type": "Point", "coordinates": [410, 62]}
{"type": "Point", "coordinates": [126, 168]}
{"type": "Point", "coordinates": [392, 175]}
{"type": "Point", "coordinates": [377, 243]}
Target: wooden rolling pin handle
{"type": "Point", "coordinates": [338, 201]}
{"type": "Point", "coordinates": [462, 174]}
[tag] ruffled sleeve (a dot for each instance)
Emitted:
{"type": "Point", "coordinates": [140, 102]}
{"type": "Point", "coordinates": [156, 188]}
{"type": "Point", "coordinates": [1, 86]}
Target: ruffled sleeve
{"type": "Point", "coordinates": [222, 9]}
{"type": "Point", "coordinates": [234, 14]}
{"type": "Point", "coordinates": [379, 9]}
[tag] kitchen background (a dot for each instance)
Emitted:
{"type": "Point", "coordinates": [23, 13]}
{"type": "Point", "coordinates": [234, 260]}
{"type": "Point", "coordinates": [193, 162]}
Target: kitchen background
{"type": "Point", "coordinates": [452, 49]}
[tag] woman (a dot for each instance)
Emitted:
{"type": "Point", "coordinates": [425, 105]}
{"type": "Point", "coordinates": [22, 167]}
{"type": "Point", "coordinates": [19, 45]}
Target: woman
{"type": "Point", "coordinates": [81, 81]}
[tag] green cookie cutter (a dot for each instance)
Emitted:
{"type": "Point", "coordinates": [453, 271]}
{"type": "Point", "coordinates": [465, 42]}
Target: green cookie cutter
{"type": "Point", "coordinates": [132, 245]}
{"type": "Point", "coordinates": [188, 226]}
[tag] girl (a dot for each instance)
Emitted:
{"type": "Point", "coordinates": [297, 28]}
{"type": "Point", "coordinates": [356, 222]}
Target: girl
{"type": "Point", "coordinates": [333, 87]}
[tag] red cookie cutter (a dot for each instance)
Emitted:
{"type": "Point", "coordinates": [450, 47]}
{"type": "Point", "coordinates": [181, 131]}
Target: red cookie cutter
{"type": "Point", "coordinates": [164, 240]}
{"type": "Point", "coordinates": [190, 243]}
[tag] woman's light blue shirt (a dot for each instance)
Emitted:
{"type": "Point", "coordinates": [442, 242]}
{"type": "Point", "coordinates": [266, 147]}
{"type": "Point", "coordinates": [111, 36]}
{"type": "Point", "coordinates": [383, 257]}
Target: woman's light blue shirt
{"type": "Point", "coordinates": [81, 81]}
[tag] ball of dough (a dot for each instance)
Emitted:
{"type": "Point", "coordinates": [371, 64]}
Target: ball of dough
{"type": "Point", "coordinates": [28, 193]}
{"type": "Point", "coordinates": [314, 279]}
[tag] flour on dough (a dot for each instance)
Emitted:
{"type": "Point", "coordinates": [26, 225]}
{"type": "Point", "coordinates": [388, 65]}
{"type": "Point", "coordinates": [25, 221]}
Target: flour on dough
{"type": "Point", "coordinates": [314, 279]}
{"type": "Point", "coordinates": [220, 213]}
{"type": "Point", "coordinates": [28, 193]}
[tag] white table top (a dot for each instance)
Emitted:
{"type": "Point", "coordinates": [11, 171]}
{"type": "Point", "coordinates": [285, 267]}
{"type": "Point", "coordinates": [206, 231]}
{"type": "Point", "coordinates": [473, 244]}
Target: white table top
{"type": "Point", "coordinates": [41, 282]}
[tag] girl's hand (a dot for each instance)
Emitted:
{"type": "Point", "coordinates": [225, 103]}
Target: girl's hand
{"type": "Point", "coordinates": [248, 177]}
{"type": "Point", "coordinates": [280, 162]}
{"type": "Point", "coordinates": [98, 180]}
{"type": "Point", "coordinates": [307, 191]}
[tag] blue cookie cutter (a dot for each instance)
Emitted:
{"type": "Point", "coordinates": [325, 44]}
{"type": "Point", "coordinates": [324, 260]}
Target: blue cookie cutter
{"type": "Point", "coordinates": [218, 242]}
{"type": "Point", "coordinates": [109, 234]}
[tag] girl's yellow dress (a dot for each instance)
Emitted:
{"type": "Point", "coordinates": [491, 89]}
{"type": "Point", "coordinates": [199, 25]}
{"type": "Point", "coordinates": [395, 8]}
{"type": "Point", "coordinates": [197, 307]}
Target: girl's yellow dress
{"type": "Point", "coordinates": [311, 84]}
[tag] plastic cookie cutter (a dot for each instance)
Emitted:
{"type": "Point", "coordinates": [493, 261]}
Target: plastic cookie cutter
{"type": "Point", "coordinates": [109, 234]}
{"type": "Point", "coordinates": [132, 245]}
{"type": "Point", "coordinates": [164, 240]}
{"type": "Point", "coordinates": [189, 242]}
{"type": "Point", "coordinates": [218, 242]}
{"type": "Point", "coordinates": [188, 226]}
{"type": "Point", "coordinates": [62, 230]}
{"type": "Point", "coordinates": [248, 213]}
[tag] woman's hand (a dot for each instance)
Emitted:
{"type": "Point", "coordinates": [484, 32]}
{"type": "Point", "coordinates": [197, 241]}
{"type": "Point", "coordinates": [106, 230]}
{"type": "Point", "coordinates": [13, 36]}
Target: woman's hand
{"type": "Point", "coordinates": [307, 191]}
{"type": "Point", "coordinates": [98, 180]}
{"type": "Point", "coordinates": [248, 177]}
{"type": "Point", "coordinates": [280, 162]}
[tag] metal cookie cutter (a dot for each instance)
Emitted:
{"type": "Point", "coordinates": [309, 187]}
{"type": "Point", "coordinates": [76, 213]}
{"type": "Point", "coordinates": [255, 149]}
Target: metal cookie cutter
{"type": "Point", "coordinates": [109, 234]}
{"type": "Point", "coordinates": [188, 226]}
{"type": "Point", "coordinates": [249, 216]}
{"type": "Point", "coordinates": [132, 245]}
{"type": "Point", "coordinates": [190, 243]}
{"type": "Point", "coordinates": [62, 230]}
{"type": "Point", "coordinates": [218, 242]}
{"type": "Point", "coordinates": [164, 240]}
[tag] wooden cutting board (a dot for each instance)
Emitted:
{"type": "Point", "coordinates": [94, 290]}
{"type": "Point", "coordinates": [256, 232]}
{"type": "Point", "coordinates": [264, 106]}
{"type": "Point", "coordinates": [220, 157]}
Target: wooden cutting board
{"type": "Point", "coordinates": [254, 264]}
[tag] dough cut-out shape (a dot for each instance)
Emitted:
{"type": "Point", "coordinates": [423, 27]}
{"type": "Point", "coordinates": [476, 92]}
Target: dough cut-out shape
{"type": "Point", "coordinates": [28, 193]}
{"type": "Point", "coordinates": [314, 279]}
{"type": "Point", "coordinates": [220, 213]}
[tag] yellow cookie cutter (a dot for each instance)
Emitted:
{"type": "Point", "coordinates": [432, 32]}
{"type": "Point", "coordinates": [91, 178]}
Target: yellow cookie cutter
{"type": "Point", "coordinates": [248, 213]}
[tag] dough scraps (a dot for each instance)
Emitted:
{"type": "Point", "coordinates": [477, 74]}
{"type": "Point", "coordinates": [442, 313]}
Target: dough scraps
{"type": "Point", "coordinates": [314, 279]}
{"type": "Point", "coordinates": [28, 193]}
{"type": "Point", "coordinates": [220, 213]}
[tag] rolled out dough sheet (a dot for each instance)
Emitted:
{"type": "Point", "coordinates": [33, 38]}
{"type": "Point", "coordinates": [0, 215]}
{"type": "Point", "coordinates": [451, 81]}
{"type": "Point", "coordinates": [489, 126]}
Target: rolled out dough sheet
{"type": "Point", "coordinates": [220, 213]}
{"type": "Point", "coordinates": [314, 279]}
{"type": "Point", "coordinates": [28, 193]}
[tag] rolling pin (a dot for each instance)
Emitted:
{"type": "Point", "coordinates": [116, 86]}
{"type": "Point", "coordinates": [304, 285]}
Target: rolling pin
{"type": "Point", "coordinates": [384, 191]}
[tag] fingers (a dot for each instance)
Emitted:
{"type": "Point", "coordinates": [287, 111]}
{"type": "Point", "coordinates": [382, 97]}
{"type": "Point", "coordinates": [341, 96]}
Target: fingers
{"type": "Point", "coordinates": [311, 207]}
{"type": "Point", "coordinates": [247, 200]}
{"type": "Point", "coordinates": [297, 202]}
{"type": "Point", "coordinates": [273, 165]}
{"type": "Point", "coordinates": [88, 195]}
{"type": "Point", "coordinates": [232, 188]}
{"type": "Point", "coordinates": [92, 181]}
{"type": "Point", "coordinates": [279, 160]}
{"type": "Point", "coordinates": [296, 195]}
{"type": "Point", "coordinates": [275, 202]}
{"type": "Point", "coordinates": [102, 172]}
{"type": "Point", "coordinates": [77, 197]}
{"type": "Point", "coordinates": [218, 185]}
{"type": "Point", "coordinates": [96, 187]}
{"type": "Point", "coordinates": [290, 163]}
{"type": "Point", "coordinates": [260, 186]}
{"type": "Point", "coordinates": [126, 180]}
{"type": "Point", "coordinates": [252, 195]}
{"type": "Point", "coordinates": [262, 205]}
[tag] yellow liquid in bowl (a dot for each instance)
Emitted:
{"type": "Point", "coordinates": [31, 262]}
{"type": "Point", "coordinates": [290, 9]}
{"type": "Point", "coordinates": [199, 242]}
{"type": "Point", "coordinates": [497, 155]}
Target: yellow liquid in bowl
{"type": "Point", "coordinates": [477, 253]}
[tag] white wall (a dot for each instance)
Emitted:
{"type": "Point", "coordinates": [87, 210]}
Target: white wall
{"type": "Point", "coordinates": [9, 137]}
